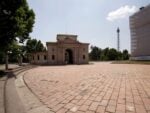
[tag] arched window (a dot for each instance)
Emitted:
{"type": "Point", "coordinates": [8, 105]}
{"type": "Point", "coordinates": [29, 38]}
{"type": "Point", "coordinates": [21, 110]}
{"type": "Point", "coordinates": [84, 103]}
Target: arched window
{"type": "Point", "coordinates": [83, 56]}
{"type": "Point", "coordinates": [53, 57]}
{"type": "Point", "coordinates": [38, 57]}
{"type": "Point", "coordinates": [45, 58]}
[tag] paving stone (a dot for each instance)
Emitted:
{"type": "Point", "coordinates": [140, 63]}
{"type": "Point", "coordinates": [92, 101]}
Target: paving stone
{"type": "Point", "coordinates": [111, 109]}
{"type": "Point", "coordinates": [90, 112]}
{"type": "Point", "coordinates": [104, 103]}
{"type": "Point", "coordinates": [81, 102]}
{"type": "Point", "coordinates": [112, 102]}
{"type": "Point", "coordinates": [92, 88]}
{"type": "Point", "coordinates": [74, 108]}
{"type": "Point", "coordinates": [140, 109]}
{"type": "Point", "coordinates": [93, 106]}
{"type": "Point", "coordinates": [87, 102]}
{"type": "Point", "coordinates": [57, 107]}
{"type": "Point", "coordinates": [100, 109]}
{"type": "Point", "coordinates": [120, 107]}
{"type": "Point", "coordinates": [62, 110]}
{"type": "Point", "coordinates": [69, 106]}
{"type": "Point", "coordinates": [83, 108]}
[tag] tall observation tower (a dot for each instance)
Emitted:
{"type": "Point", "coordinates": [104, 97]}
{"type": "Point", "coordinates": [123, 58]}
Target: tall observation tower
{"type": "Point", "coordinates": [118, 39]}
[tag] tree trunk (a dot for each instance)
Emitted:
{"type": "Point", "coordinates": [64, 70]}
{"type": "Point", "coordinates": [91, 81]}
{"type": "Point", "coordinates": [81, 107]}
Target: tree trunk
{"type": "Point", "coordinates": [6, 60]}
{"type": "Point", "coordinates": [20, 60]}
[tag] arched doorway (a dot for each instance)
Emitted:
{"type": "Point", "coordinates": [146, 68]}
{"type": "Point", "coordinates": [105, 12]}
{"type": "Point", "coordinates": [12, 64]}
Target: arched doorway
{"type": "Point", "coordinates": [68, 56]}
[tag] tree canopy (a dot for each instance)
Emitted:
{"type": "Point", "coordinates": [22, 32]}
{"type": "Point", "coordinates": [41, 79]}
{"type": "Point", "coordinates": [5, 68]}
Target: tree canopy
{"type": "Point", "coordinates": [16, 22]}
{"type": "Point", "coordinates": [34, 45]}
{"type": "Point", "coordinates": [95, 53]}
{"type": "Point", "coordinates": [98, 54]}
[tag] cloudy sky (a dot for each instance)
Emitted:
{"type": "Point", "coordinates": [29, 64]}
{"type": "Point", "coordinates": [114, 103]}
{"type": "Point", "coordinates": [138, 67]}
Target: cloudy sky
{"type": "Point", "coordinates": [94, 21]}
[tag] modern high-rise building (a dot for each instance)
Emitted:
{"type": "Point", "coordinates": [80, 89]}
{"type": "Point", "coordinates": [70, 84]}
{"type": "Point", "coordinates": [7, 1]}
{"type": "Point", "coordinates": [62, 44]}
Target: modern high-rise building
{"type": "Point", "coordinates": [140, 34]}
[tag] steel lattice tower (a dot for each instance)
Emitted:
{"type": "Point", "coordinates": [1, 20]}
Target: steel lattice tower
{"type": "Point", "coordinates": [118, 39]}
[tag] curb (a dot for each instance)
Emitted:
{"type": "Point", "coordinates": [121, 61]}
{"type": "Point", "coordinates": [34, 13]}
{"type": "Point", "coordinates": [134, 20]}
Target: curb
{"type": "Point", "coordinates": [31, 103]}
{"type": "Point", "coordinates": [3, 81]}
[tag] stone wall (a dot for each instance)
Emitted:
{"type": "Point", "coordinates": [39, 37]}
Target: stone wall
{"type": "Point", "coordinates": [58, 53]}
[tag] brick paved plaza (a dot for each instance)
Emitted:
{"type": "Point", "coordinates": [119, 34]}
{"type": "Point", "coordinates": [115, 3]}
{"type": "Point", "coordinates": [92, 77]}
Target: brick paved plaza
{"type": "Point", "coordinates": [95, 88]}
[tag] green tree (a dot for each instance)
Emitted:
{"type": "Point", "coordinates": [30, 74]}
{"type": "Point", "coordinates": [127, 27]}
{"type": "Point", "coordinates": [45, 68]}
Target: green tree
{"type": "Point", "coordinates": [95, 53]}
{"type": "Point", "coordinates": [119, 56]}
{"type": "Point", "coordinates": [107, 54]}
{"type": "Point", "coordinates": [17, 53]}
{"type": "Point", "coordinates": [112, 54]}
{"type": "Point", "coordinates": [34, 45]}
{"type": "Point", "coordinates": [104, 55]}
{"type": "Point", "coordinates": [125, 54]}
{"type": "Point", "coordinates": [16, 22]}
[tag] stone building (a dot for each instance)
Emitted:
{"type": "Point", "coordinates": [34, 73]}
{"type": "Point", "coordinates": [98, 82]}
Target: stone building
{"type": "Point", "coordinates": [67, 50]}
{"type": "Point", "coordinates": [140, 34]}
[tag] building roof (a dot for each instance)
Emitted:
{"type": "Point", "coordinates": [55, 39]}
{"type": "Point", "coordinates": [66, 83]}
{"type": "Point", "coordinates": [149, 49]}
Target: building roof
{"type": "Point", "coordinates": [43, 52]}
{"type": "Point", "coordinates": [66, 39]}
{"type": "Point", "coordinates": [141, 9]}
{"type": "Point", "coordinates": [67, 35]}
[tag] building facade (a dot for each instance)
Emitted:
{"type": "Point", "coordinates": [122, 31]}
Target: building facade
{"type": "Point", "coordinates": [67, 50]}
{"type": "Point", "coordinates": [140, 34]}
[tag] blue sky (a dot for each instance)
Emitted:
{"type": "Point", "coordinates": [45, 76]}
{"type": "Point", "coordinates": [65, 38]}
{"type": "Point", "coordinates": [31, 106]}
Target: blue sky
{"type": "Point", "coordinates": [94, 21]}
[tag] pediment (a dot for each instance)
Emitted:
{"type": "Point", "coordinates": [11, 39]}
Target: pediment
{"type": "Point", "coordinates": [67, 38]}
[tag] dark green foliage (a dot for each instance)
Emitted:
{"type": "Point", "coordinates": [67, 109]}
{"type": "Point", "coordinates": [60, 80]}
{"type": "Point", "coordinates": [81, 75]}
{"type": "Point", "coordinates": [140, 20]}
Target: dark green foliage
{"type": "Point", "coordinates": [107, 54]}
{"type": "Point", "coordinates": [16, 51]}
{"type": "Point", "coordinates": [125, 55]}
{"type": "Point", "coordinates": [119, 56]}
{"type": "Point", "coordinates": [95, 53]}
{"type": "Point", "coordinates": [112, 54]}
{"type": "Point", "coordinates": [104, 55]}
{"type": "Point", "coordinates": [16, 22]}
{"type": "Point", "coordinates": [34, 45]}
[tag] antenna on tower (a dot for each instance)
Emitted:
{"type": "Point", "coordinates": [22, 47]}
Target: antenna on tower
{"type": "Point", "coordinates": [118, 39]}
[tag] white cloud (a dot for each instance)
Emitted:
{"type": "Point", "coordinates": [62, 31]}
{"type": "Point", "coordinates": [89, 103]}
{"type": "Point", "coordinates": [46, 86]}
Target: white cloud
{"type": "Point", "coordinates": [121, 13]}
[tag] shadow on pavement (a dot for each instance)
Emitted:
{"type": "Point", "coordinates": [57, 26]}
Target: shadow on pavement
{"type": "Point", "coordinates": [2, 73]}
{"type": "Point", "coordinates": [17, 71]}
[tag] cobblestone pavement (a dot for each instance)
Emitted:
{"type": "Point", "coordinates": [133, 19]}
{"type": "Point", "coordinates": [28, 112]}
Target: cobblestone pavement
{"type": "Point", "coordinates": [95, 88]}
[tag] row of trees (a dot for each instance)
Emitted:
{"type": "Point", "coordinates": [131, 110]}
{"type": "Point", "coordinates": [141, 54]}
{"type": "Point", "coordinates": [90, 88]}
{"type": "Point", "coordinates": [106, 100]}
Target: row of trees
{"type": "Point", "coordinates": [17, 51]}
{"type": "Point", "coordinates": [98, 54]}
